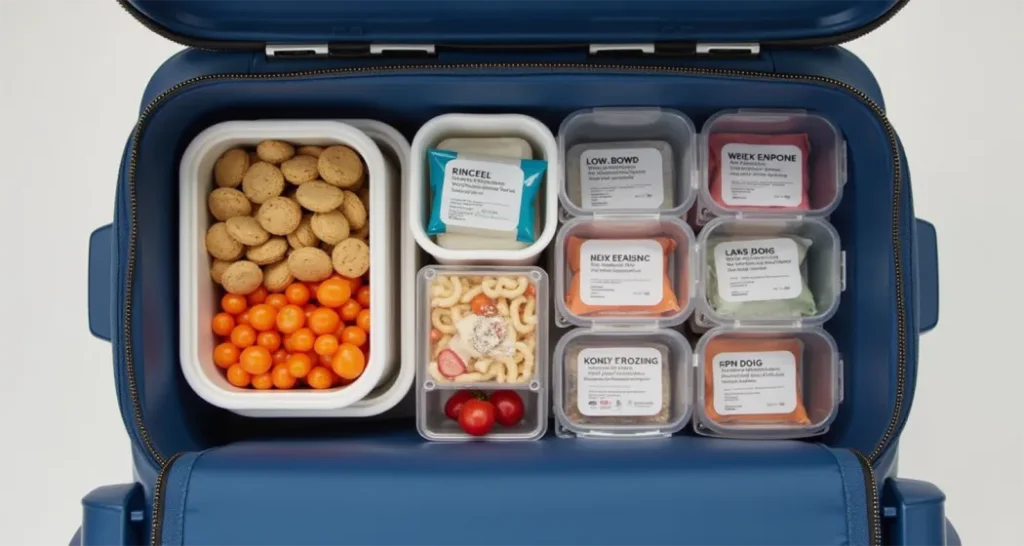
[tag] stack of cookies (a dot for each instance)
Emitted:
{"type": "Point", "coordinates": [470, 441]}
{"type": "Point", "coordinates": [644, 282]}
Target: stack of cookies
{"type": "Point", "coordinates": [287, 213]}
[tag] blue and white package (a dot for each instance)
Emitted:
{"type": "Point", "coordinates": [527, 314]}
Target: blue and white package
{"type": "Point", "coordinates": [491, 196]}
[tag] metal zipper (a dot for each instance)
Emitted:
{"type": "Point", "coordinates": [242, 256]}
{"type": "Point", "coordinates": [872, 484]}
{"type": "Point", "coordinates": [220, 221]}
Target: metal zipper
{"type": "Point", "coordinates": [901, 319]}
{"type": "Point", "coordinates": [874, 509]}
{"type": "Point", "coordinates": [159, 491]}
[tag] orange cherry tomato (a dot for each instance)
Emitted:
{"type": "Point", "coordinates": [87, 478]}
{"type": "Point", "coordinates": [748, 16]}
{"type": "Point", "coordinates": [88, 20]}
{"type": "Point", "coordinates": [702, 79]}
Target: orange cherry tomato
{"type": "Point", "coordinates": [326, 344]}
{"type": "Point", "coordinates": [309, 308]}
{"type": "Point", "coordinates": [363, 320]}
{"type": "Point", "coordinates": [349, 361]}
{"type": "Point", "coordinates": [323, 321]}
{"type": "Point", "coordinates": [297, 293]}
{"type": "Point", "coordinates": [238, 377]}
{"type": "Point", "coordinates": [319, 378]}
{"type": "Point", "coordinates": [243, 336]}
{"type": "Point", "coordinates": [262, 381]}
{"type": "Point", "coordinates": [277, 301]}
{"type": "Point", "coordinates": [435, 335]}
{"type": "Point", "coordinates": [482, 305]}
{"type": "Point", "coordinates": [270, 341]}
{"type": "Point", "coordinates": [290, 318]}
{"type": "Point", "coordinates": [225, 354]}
{"type": "Point", "coordinates": [363, 296]}
{"type": "Point", "coordinates": [303, 339]}
{"type": "Point", "coordinates": [350, 310]}
{"type": "Point", "coordinates": [299, 365]}
{"type": "Point", "coordinates": [256, 360]}
{"type": "Point", "coordinates": [354, 284]}
{"type": "Point", "coordinates": [333, 293]}
{"type": "Point", "coordinates": [262, 317]}
{"type": "Point", "coordinates": [326, 360]}
{"type": "Point", "coordinates": [257, 296]}
{"type": "Point", "coordinates": [222, 324]}
{"type": "Point", "coordinates": [313, 287]}
{"type": "Point", "coordinates": [282, 378]}
{"type": "Point", "coordinates": [243, 318]}
{"type": "Point", "coordinates": [354, 335]}
{"type": "Point", "coordinates": [280, 356]}
{"type": "Point", "coordinates": [233, 303]}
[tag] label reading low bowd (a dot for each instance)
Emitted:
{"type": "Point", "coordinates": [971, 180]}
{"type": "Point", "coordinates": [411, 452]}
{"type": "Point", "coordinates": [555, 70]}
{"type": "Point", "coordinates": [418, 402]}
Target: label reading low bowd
{"type": "Point", "coordinates": [484, 195]}
{"type": "Point", "coordinates": [621, 381]}
{"type": "Point", "coordinates": [621, 272]}
{"type": "Point", "coordinates": [758, 270]}
{"type": "Point", "coordinates": [762, 175]}
{"type": "Point", "coordinates": [754, 383]}
{"type": "Point", "coordinates": [622, 178]}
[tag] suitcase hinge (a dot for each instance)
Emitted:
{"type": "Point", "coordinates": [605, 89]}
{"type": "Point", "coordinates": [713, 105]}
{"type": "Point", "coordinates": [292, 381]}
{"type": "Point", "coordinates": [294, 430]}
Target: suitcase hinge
{"type": "Point", "coordinates": [677, 49]}
{"type": "Point", "coordinates": [348, 50]}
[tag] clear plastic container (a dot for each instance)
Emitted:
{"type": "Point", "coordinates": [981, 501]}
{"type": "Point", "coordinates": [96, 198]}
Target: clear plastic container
{"type": "Point", "coordinates": [434, 425]}
{"type": "Point", "coordinates": [751, 271]}
{"type": "Point", "coordinates": [633, 275]}
{"type": "Point", "coordinates": [767, 383]}
{"type": "Point", "coordinates": [622, 383]}
{"type": "Point", "coordinates": [628, 160]}
{"type": "Point", "coordinates": [757, 161]}
{"type": "Point", "coordinates": [449, 126]}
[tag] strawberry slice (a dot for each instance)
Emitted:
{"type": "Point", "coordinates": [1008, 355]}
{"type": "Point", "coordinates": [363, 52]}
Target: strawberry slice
{"type": "Point", "coordinates": [449, 363]}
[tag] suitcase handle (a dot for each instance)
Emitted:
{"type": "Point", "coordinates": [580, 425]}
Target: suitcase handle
{"type": "Point", "coordinates": [915, 514]}
{"type": "Point", "coordinates": [113, 514]}
{"type": "Point", "coordinates": [101, 262]}
{"type": "Point", "coordinates": [927, 276]}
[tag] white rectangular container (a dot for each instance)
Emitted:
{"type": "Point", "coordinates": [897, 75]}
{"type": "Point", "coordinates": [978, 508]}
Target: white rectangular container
{"type": "Point", "coordinates": [483, 125]}
{"type": "Point", "coordinates": [199, 295]}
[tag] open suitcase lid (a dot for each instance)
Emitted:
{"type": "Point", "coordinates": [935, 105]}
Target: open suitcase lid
{"type": "Point", "coordinates": [351, 26]}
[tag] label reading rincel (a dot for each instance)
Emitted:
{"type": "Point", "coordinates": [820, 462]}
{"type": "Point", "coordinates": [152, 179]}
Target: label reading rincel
{"type": "Point", "coordinates": [755, 383]}
{"type": "Point", "coordinates": [758, 270]}
{"type": "Point", "coordinates": [484, 195]}
{"type": "Point", "coordinates": [621, 272]}
{"type": "Point", "coordinates": [762, 175]}
{"type": "Point", "coordinates": [621, 381]}
{"type": "Point", "coordinates": [622, 178]}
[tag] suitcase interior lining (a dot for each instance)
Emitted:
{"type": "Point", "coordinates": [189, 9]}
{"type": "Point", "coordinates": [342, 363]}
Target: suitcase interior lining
{"type": "Point", "coordinates": [865, 326]}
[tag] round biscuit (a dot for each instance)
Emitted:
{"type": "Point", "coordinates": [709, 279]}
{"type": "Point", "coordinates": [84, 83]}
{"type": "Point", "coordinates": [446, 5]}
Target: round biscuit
{"type": "Point", "coordinates": [319, 196]}
{"type": "Point", "coordinates": [351, 258]}
{"type": "Point", "coordinates": [221, 245]}
{"type": "Point", "coordinates": [362, 233]}
{"type": "Point", "coordinates": [227, 203]}
{"type": "Point", "coordinates": [303, 235]}
{"type": "Point", "coordinates": [354, 210]}
{"type": "Point", "coordinates": [330, 227]}
{"type": "Point", "coordinates": [309, 264]}
{"type": "Point", "coordinates": [262, 181]}
{"type": "Point", "coordinates": [242, 277]}
{"type": "Point", "coordinates": [230, 168]}
{"type": "Point", "coordinates": [217, 269]}
{"type": "Point", "coordinates": [276, 276]}
{"type": "Point", "coordinates": [246, 230]}
{"type": "Point", "coordinates": [279, 215]}
{"type": "Point", "coordinates": [275, 151]}
{"type": "Point", "coordinates": [340, 166]}
{"type": "Point", "coordinates": [300, 169]}
{"type": "Point", "coordinates": [314, 151]}
{"type": "Point", "coordinates": [274, 250]}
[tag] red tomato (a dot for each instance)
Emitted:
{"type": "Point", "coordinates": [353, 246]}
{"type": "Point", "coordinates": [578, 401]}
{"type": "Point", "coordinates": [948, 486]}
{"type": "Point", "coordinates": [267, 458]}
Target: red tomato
{"type": "Point", "coordinates": [453, 406]}
{"type": "Point", "coordinates": [483, 305]}
{"type": "Point", "coordinates": [476, 417]}
{"type": "Point", "coordinates": [508, 407]}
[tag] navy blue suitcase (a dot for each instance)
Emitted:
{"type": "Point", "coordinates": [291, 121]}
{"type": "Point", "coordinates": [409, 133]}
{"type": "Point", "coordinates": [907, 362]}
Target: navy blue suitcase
{"type": "Point", "coordinates": [207, 476]}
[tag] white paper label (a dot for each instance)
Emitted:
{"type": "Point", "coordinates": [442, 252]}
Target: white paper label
{"type": "Point", "coordinates": [758, 270]}
{"type": "Point", "coordinates": [762, 175]}
{"type": "Point", "coordinates": [482, 194]}
{"type": "Point", "coordinates": [620, 381]}
{"type": "Point", "coordinates": [622, 178]}
{"type": "Point", "coordinates": [754, 383]}
{"type": "Point", "coordinates": [621, 272]}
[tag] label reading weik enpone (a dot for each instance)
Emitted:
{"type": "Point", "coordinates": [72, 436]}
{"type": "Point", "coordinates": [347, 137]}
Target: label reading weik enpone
{"type": "Point", "coordinates": [622, 178]}
{"type": "Point", "coordinates": [621, 272]}
{"type": "Point", "coordinates": [766, 175]}
{"type": "Point", "coordinates": [754, 383]}
{"type": "Point", "coordinates": [482, 194]}
{"type": "Point", "coordinates": [758, 270]}
{"type": "Point", "coordinates": [621, 381]}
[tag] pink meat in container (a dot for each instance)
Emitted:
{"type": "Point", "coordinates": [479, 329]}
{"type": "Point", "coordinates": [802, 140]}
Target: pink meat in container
{"type": "Point", "coordinates": [200, 296]}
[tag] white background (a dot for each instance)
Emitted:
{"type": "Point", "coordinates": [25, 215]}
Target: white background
{"type": "Point", "coordinates": [72, 75]}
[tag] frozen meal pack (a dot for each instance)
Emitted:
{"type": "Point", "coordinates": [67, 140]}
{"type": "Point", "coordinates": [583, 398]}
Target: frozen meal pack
{"type": "Point", "coordinates": [759, 277]}
{"type": "Point", "coordinates": [759, 171]}
{"type": "Point", "coordinates": [621, 175]}
{"type": "Point", "coordinates": [618, 384]}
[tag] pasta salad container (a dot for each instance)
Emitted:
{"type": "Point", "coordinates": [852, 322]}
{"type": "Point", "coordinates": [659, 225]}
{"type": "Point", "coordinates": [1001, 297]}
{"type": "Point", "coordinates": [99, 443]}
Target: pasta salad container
{"type": "Point", "coordinates": [482, 333]}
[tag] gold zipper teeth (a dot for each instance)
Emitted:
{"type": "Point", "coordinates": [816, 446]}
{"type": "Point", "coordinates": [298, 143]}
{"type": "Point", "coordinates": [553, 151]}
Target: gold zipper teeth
{"type": "Point", "coordinates": [159, 490]}
{"type": "Point", "coordinates": [634, 69]}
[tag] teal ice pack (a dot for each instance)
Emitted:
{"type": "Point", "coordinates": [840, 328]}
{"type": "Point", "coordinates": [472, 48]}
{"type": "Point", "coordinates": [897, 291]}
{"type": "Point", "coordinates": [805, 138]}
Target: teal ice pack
{"type": "Point", "coordinates": [490, 196]}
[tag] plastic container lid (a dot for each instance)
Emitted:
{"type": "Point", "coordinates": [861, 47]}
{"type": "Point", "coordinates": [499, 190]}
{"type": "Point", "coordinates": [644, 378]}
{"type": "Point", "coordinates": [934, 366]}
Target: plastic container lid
{"type": "Point", "coordinates": [767, 271]}
{"type": "Point", "coordinates": [622, 383]}
{"type": "Point", "coordinates": [620, 160]}
{"type": "Point", "coordinates": [767, 383]}
{"type": "Point", "coordinates": [770, 163]}
{"type": "Point", "coordinates": [629, 271]}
